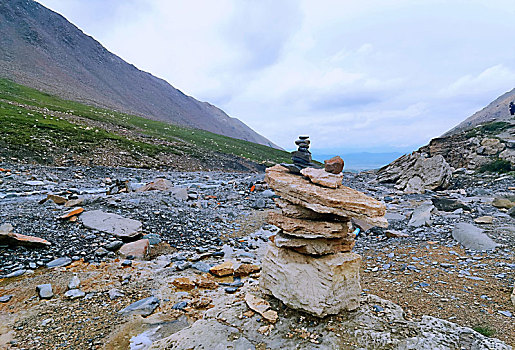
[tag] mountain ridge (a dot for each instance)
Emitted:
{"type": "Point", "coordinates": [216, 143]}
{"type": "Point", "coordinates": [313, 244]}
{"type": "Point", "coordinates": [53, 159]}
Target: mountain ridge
{"type": "Point", "coordinates": [43, 50]}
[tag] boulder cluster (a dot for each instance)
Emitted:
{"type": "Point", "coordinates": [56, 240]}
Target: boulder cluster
{"type": "Point", "coordinates": [309, 264]}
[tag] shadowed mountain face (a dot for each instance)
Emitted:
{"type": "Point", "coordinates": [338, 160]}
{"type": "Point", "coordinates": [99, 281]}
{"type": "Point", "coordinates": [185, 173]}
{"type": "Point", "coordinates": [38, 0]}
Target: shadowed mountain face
{"type": "Point", "coordinates": [41, 49]}
{"type": "Point", "coordinates": [497, 111]}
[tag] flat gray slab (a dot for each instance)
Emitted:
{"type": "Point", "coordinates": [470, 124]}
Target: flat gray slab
{"type": "Point", "coordinates": [143, 307]}
{"type": "Point", "coordinates": [111, 223]}
{"type": "Point", "coordinates": [472, 237]}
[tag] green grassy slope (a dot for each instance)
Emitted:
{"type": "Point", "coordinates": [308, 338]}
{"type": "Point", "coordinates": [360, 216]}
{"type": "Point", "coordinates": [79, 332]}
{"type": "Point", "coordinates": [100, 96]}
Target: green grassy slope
{"type": "Point", "coordinates": [39, 127]}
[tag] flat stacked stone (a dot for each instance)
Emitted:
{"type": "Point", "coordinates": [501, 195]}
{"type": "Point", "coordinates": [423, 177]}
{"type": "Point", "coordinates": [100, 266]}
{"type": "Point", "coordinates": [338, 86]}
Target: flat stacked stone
{"type": "Point", "coordinates": [309, 264]}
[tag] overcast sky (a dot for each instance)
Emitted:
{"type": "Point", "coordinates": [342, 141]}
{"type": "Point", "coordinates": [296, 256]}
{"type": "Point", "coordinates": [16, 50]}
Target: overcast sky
{"type": "Point", "coordinates": [385, 75]}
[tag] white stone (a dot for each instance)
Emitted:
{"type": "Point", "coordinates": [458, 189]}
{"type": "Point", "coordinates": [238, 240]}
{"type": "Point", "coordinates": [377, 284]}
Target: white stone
{"type": "Point", "coordinates": [320, 286]}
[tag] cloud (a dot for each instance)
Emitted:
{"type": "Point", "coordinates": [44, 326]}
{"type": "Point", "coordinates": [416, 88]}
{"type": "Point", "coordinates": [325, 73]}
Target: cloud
{"type": "Point", "coordinates": [374, 75]}
{"type": "Point", "coordinates": [492, 79]}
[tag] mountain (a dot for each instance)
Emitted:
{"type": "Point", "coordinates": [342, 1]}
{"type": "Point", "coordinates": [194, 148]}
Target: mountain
{"type": "Point", "coordinates": [483, 142]}
{"type": "Point", "coordinates": [36, 127]}
{"type": "Point", "coordinates": [497, 111]}
{"type": "Point", "coordinates": [41, 49]}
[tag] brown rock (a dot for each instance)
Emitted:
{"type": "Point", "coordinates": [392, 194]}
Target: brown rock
{"type": "Point", "coordinates": [503, 203]}
{"type": "Point", "coordinates": [74, 202]}
{"type": "Point", "coordinates": [334, 165]}
{"type": "Point", "coordinates": [184, 283]}
{"type": "Point", "coordinates": [299, 212]}
{"type": "Point", "coordinates": [17, 239]}
{"type": "Point", "coordinates": [207, 282]}
{"type": "Point", "coordinates": [56, 199]}
{"type": "Point", "coordinates": [138, 249]}
{"type": "Point", "coordinates": [309, 228]}
{"type": "Point", "coordinates": [344, 201]}
{"type": "Point", "coordinates": [317, 247]}
{"type": "Point", "coordinates": [246, 269]}
{"type": "Point", "coordinates": [156, 185]}
{"type": "Point", "coordinates": [484, 220]}
{"type": "Point", "coordinates": [71, 213]}
{"type": "Point", "coordinates": [224, 269]}
{"type": "Point", "coordinates": [322, 177]}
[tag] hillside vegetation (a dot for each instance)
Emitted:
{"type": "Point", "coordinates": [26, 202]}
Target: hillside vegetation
{"type": "Point", "coordinates": [40, 128]}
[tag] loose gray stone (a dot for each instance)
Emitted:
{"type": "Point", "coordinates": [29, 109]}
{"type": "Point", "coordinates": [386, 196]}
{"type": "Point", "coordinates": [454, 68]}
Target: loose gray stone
{"type": "Point", "coordinates": [115, 293]}
{"type": "Point", "coordinates": [74, 294]}
{"type": "Point", "coordinates": [114, 246]}
{"type": "Point", "coordinates": [421, 215]}
{"type": "Point", "coordinates": [74, 283]}
{"type": "Point", "coordinates": [45, 291]}
{"type": "Point", "coordinates": [6, 298]}
{"type": "Point", "coordinates": [15, 273]}
{"type": "Point", "coordinates": [472, 237]}
{"type": "Point", "coordinates": [59, 262]}
{"type": "Point", "coordinates": [111, 223]}
{"type": "Point", "coordinates": [142, 307]}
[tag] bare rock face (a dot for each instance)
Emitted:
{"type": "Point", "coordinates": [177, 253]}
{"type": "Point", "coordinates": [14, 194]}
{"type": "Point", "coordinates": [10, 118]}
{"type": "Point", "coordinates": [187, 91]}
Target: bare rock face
{"type": "Point", "coordinates": [309, 228]}
{"type": "Point", "coordinates": [344, 201]}
{"type": "Point", "coordinates": [414, 173]}
{"type": "Point", "coordinates": [322, 177]}
{"type": "Point", "coordinates": [334, 165]}
{"type": "Point", "coordinates": [316, 247]}
{"type": "Point", "coordinates": [490, 147]}
{"type": "Point", "coordinates": [322, 286]}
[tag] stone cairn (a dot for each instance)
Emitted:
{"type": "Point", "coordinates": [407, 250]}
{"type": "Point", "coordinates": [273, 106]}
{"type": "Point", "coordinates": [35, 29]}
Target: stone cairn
{"type": "Point", "coordinates": [309, 264]}
{"type": "Point", "coordinates": [301, 157]}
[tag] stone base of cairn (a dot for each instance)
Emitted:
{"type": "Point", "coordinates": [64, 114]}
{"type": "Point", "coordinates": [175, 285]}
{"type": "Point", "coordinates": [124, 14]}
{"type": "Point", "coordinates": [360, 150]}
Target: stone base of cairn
{"type": "Point", "coordinates": [309, 264]}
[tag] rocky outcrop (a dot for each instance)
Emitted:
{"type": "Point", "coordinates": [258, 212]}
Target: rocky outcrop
{"type": "Point", "coordinates": [415, 173]}
{"type": "Point", "coordinates": [223, 328]}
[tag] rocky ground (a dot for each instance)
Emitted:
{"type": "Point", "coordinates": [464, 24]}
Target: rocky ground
{"type": "Point", "coordinates": [207, 218]}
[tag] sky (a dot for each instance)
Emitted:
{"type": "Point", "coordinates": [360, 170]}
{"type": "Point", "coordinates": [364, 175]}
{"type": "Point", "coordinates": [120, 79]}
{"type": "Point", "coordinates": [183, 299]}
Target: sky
{"type": "Point", "coordinates": [356, 76]}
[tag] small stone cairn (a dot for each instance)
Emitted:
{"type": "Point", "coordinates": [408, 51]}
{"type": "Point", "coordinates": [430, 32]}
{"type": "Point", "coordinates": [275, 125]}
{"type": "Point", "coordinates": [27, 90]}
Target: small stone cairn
{"type": "Point", "coordinates": [301, 157]}
{"type": "Point", "coordinates": [309, 264]}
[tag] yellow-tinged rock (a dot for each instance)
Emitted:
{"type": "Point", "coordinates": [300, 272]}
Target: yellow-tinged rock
{"type": "Point", "coordinates": [224, 269]}
{"type": "Point", "coordinates": [310, 228]}
{"type": "Point", "coordinates": [343, 201]}
{"type": "Point", "coordinates": [184, 283]}
{"type": "Point", "coordinates": [322, 177]}
{"type": "Point", "coordinates": [246, 269]}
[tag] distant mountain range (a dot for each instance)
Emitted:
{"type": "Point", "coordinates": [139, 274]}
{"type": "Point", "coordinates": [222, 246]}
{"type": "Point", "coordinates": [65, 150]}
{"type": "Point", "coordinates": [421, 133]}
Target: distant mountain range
{"type": "Point", "coordinates": [41, 49]}
{"type": "Point", "coordinates": [362, 160]}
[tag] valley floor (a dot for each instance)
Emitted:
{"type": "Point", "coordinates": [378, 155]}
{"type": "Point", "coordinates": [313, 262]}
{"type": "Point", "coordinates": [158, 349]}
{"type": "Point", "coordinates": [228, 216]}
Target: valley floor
{"type": "Point", "coordinates": [210, 216]}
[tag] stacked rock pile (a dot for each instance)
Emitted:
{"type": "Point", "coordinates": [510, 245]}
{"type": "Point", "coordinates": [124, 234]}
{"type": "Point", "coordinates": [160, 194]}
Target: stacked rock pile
{"type": "Point", "coordinates": [301, 157]}
{"type": "Point", "coordinates": [309, 264]}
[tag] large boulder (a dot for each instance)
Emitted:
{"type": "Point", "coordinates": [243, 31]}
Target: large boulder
{"type": "Point", "coordinates": [415, 173]}
{"type": "Point", "coordinates": [344, 201]}
{"type": "Point", "coordinates": [323, 286]}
